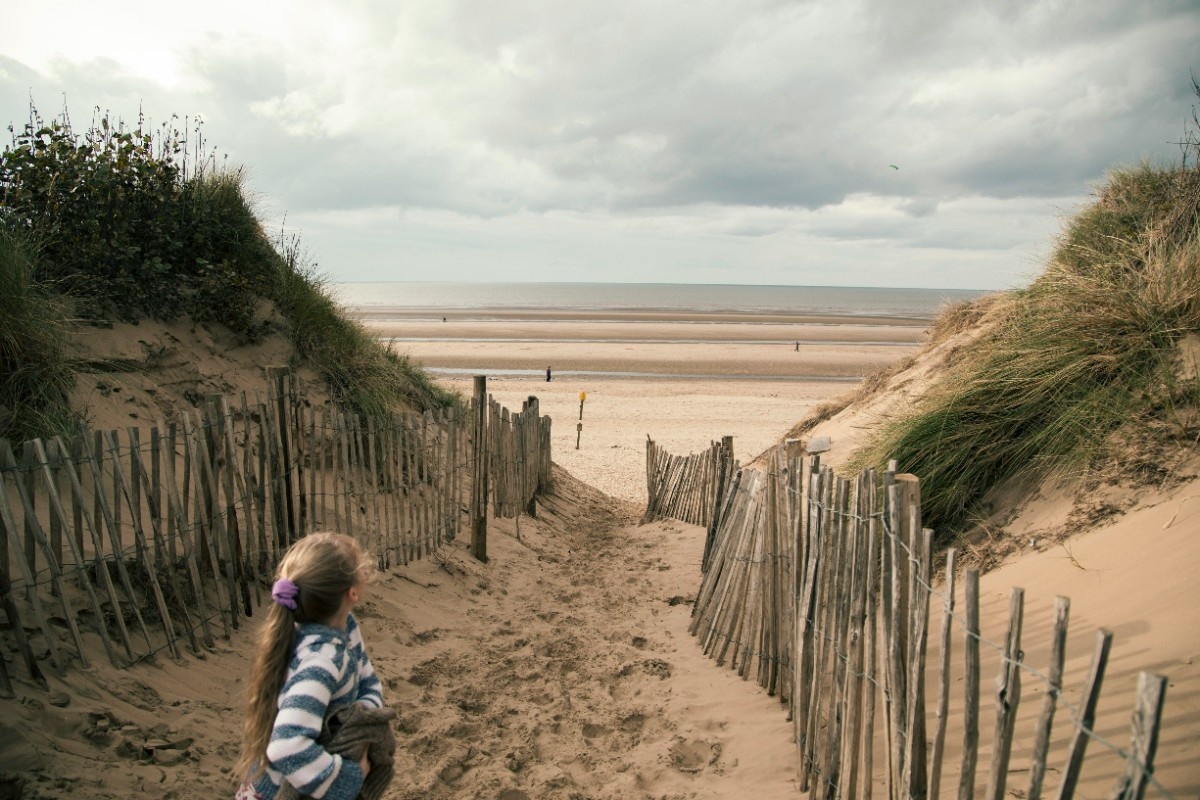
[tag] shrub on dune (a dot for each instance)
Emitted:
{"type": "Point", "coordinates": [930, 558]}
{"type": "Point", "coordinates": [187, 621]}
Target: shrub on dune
{"type": "Point", "coordinates": [131, 224]}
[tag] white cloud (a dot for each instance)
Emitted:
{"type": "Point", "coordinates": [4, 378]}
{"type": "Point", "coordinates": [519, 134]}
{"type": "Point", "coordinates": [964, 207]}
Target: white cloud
{"type": "Point", "coordinates": [667, 141]}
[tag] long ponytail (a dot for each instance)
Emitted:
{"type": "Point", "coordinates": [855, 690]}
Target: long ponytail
{"type": "Point", "coordinates": [271, 658]}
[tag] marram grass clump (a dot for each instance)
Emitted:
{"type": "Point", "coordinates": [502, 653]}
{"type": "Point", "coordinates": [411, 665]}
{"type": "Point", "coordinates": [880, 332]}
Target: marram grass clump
{"type": "Point", "coordinates": [1083, 358]}
{"type": "Point", "coordinates": [36, 375]}
{"type": "Point", "coordinates": [364, 375]}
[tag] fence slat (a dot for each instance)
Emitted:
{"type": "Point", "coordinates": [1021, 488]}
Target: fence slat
{"type": "Point", "coordinates": [1147, 713]}
{"type": "Point", "coordinates": [60, 513]}
{"type": "Point", "coordinates": [1087, 717]}
{"type": "Point", "coordinates": [92, 525]}
{"type": "Point", "coordinates": [970, 754]}
{"type": "Point", "coordinates": [26, 558]}
{"type": "Point", "coordinates": [1008, 697]}
{"type": "Point", "coordinates": [943, 706]}
{"type": "Point", "coordinates": [168, 569]}
{"type": "Point", "coordinates": [1041, 738]}
{"type": "Point", "coordinates": [108, 513]}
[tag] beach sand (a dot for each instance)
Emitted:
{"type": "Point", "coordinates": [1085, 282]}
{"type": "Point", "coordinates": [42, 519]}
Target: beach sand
{"type": "Point", "coordinates": [563, 667]}
{"type": "Point", "coordinates": [683, 380]}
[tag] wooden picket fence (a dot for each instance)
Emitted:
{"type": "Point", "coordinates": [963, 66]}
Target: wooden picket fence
{"type": "Point", "coordinates": [684, 487]}
{"type": "Point", "coordinates": [161, 539]}
{"type": "Point", "coordinates": [821, 588]}
{"type": "Point", "coordinates": [519, 449]}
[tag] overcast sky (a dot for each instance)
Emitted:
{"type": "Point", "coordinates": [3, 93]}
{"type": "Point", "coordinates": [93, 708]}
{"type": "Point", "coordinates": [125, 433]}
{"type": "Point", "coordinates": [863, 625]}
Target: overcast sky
{"type": "Point", "coordinates": [624, 140]}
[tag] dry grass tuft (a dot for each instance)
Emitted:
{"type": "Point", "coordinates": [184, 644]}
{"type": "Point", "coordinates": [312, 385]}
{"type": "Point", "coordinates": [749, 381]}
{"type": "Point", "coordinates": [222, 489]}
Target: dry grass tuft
{"type": "Point", "coordinates": [1087, 353]}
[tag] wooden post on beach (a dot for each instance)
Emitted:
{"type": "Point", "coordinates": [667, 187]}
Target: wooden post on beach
{"type": "Point", "coordinates": [277, 377]}
{"type": "Point", "coordinates": [531, 412]}
{"type": "Point", "coordinates": [1087, 716]}
{"type": "Point", "coordinates": [1147, 715]}
{"type": "Point", "coordinates": [1041, 740]}
{"type": "Point", "coordinates": [480, 469]}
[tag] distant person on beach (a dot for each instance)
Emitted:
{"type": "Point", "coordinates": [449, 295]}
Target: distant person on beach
{"type": "Point", "coordinates": [547, 374]}
{"type": "Point", "coordinates": [797, 347]}
{"type": "Point", "coordinates": [310, 663]}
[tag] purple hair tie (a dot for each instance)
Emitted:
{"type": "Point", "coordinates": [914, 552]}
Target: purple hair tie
{"type": "Point", "coordinates": [285, 592]}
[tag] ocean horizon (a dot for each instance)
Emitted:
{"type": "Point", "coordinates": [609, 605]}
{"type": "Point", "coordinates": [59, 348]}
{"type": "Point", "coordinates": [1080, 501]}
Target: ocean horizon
{"type": "Point", "coordinates": [410, 296]}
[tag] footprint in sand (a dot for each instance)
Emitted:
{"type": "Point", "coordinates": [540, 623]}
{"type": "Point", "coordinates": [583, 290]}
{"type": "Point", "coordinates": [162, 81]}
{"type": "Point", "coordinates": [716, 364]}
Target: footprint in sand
{"type": "Point", "coordinates": [651, 666]}
{"type": "Point", "coordinates": [633, 723]}
{"type": "Point", "coordinates": [592, 731]}
{"type": "Point", "coordinates": [694, 755]}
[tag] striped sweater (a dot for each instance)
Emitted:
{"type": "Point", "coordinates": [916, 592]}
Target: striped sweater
{"type": "Point", "coordinates": [329, 671]}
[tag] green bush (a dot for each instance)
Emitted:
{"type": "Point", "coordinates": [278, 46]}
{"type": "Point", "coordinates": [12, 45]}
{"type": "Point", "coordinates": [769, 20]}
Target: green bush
{"type": "Point", "coordinates": [122, 226]}
{"type": "Point", "coordinates": [100, 208]}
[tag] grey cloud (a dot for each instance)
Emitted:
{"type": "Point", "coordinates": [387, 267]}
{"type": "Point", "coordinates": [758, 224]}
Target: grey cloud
{"type": "Point", "coordinates": [623, 108]}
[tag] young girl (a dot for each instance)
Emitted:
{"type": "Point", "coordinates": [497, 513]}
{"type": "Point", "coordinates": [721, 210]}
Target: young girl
{"type": "Point", "coordinates": [310, 662]}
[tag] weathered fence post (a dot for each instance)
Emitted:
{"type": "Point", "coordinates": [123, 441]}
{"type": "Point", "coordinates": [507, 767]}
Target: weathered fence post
{"type": "Point", "coordinates": [943, 706]}
{"type": "Point", "coordinates": [277, 376]}
{"type": "Point", "coordinates": [970, 746]}
{"type": "Point", "coordinates": [480, 468]}
{"type": "Point", "coordinates": [1041, 740]}
{"type": "Point", "coordinates": [529, 417]}
{"type": "Point", "coordinates": [1008, 697]}
{"type": "Point", "coordinates": [1147, 713]}
{"type": "Point", "coordinates": [1087, 716]}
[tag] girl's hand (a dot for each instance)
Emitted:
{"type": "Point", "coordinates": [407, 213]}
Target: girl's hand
{"type": "Point", "coordinates": [365, 763]}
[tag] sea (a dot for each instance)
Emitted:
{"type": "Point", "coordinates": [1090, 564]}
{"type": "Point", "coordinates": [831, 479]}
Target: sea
{"type": "Point", "coordinates": [409, 297]}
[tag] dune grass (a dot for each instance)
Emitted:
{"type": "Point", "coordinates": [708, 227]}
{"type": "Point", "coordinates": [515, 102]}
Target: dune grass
{"type": "Point", "coordinates": [36, 375]}
{"type": "Point", "coordinates": [364, 374]}
{"type": "Point", "coordinates": [1085, 354]}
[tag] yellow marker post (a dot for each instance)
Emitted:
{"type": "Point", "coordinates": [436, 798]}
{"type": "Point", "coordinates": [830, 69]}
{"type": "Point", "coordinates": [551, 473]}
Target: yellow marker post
{"type": "Point", "coordinates": [582, 397]}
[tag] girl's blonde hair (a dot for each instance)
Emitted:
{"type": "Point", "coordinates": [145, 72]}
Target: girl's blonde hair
{"type": "Point", "coordinates": [323, 566]}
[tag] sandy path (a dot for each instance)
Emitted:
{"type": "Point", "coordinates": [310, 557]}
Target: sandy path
{"type": "Point", "coordinates": [563, 668]}
{"type": "Point", "coordinates": [560, 669]}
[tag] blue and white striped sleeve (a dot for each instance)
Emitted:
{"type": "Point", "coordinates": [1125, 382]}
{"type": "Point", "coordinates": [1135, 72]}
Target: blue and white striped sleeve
{"type": "Point", "coordinates": [293, 749]}
{"type": "Point", "coordinates": [370, 690]}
